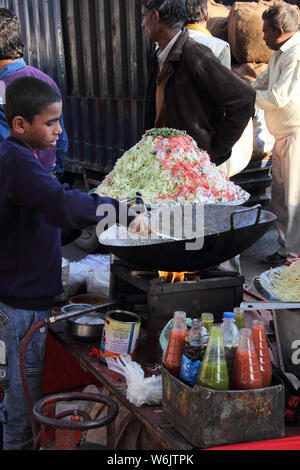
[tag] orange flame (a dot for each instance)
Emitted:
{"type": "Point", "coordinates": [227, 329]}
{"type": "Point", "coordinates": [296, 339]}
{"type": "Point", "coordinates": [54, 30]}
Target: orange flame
{"type": "Point", "coordinates": [174, 277]}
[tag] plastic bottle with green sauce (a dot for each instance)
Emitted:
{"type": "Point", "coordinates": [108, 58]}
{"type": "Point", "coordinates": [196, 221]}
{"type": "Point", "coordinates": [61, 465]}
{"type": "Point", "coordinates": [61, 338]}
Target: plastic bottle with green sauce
{"type": "Point", "coordinates": [214, 373]}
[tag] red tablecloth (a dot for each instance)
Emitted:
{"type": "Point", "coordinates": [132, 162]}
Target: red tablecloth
{"type": "Point", "coordinates": [287, 443]}
{"type": "Point", "coordinates": [62, 371]}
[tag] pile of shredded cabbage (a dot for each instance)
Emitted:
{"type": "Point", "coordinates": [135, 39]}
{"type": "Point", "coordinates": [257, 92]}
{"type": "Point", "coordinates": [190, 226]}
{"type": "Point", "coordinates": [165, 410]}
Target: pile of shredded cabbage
{"type": "Point", "coordinates": [167, 167]}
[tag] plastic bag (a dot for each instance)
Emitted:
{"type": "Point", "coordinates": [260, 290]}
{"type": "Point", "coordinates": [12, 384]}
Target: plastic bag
{"type": "Point", "coordinates": [92, 272]}
{"type": "Point", "coordinates": [140, 390]}
{"type": "Point", "coordinates": [77, 277]}
{"type": "Point", "coordinates": [241, 153]}
{"type": "Point", "coordinates": [263, 141]}
{"type": "Point", "coordinates": [98, 282]}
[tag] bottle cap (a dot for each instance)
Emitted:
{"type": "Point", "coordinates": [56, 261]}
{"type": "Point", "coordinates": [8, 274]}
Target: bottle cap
{"type": "Point", "coordinates": [180, 314]}
{"type": "Point", "coordinates": [229, 315]}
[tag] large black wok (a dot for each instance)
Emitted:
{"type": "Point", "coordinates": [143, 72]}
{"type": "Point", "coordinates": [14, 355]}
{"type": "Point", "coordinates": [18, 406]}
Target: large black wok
{"type": "Point", "coordinates": [228, 230]}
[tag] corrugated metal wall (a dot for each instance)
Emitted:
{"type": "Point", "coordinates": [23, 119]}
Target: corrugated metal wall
{"type": "Point", "coordinates": [106, 63]}
{"type": "Point", "coordinates": [42, 33]}
{"type": "Point", "coordinates": [104, 48]}
{"type": "Point", "coordinates": [96, 52]}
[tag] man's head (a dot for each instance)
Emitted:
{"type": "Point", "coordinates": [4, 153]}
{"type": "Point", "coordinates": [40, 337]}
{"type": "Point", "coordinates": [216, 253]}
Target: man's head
{"type": "Point", "coordinates": [11, 42]}
{"type": "Point", "coordinates": [33, 110]}
{"type": "Point", "coordinates": [196, 11]}
{"type": "Point", "coordinates": [170, 14]}
{"type": "Point", "coordinates": [280, 22]}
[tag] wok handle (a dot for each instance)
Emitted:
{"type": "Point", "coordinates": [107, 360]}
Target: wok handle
{"type": "Point", "coordinates": [249, 209]}
{"type": "Point", "coordinates": [139, 200]}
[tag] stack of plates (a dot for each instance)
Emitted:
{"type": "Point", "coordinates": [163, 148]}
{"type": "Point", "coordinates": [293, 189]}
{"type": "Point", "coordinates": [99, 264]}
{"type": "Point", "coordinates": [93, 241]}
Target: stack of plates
{"type": "Point", "coordinates": [65, 281]}
{"type": "Point", "coordinates": [265, 283]}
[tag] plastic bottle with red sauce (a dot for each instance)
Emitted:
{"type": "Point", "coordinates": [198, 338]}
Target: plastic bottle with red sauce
{"type": "Point", "coordinates": [262, 351]}
{"type": "Point", "coordinates": [175, 348]}
{"type": "Point", "coordinates": [246, 374]}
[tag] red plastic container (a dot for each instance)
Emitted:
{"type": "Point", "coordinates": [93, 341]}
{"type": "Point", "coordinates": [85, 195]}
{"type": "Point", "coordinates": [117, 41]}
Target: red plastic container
{"type": "Point", "coordinates": [246, 373]}
{"type": "Point", "coordinates": [175, 348]}
{"type": "Point", "coordinates": [262, 351]}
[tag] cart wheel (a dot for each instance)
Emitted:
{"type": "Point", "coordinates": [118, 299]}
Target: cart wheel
{"type": "Point", "coordinates": [113, 410]}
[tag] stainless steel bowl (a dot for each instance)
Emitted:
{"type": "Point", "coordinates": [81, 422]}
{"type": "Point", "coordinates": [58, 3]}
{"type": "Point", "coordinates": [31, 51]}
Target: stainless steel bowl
{"type": "Point", "coordinates": [87, 327]}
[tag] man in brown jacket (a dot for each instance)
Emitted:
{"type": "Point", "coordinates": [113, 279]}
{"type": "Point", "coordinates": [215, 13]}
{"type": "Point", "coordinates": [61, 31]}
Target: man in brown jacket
{"type": "Point", "coordinates": [189, 89]}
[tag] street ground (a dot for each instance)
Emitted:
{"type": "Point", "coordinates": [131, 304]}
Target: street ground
{"type": "Point", "coordinates": [250, 265]}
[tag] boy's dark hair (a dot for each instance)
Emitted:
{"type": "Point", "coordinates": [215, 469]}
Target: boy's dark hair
{"type": "Point", "coordinates": [282, 16]}
{"type": "Point", "coordinates": [171, 12]}
{"type": "Point", "coordinates": [196, 11]}
{"type": "Point", "coordinates": [27, 97]}
{"type": "Point", "coordinates": [11, 41]}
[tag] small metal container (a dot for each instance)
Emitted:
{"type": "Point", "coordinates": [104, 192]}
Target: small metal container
{"type": "Point", "coordinates": [87, 327]}
{"type": "Point", "coordinates": [120, 333]}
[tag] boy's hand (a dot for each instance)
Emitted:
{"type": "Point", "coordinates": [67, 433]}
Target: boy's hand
{"type": "Point", "coordinates": [139, 225]}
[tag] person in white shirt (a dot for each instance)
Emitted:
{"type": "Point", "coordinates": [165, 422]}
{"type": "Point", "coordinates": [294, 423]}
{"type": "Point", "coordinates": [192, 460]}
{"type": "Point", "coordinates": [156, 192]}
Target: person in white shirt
{"type": "Point", "coordinates": [278, 94]}
{"type": "Point", "coordinates": [197, 15]}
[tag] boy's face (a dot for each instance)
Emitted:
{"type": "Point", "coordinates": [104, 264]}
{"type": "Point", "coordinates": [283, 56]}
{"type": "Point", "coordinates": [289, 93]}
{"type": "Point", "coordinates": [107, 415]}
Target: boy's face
{"type": "Point", "coordinates": [45, 129]}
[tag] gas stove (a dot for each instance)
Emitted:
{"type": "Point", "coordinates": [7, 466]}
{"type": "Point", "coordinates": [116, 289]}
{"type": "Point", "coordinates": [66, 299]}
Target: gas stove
{"type": "Point", "coordinates": [154, 297]}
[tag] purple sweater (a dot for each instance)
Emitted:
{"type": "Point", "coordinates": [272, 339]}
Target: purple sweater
{"type": "Point", "coordinates": [34, 207]}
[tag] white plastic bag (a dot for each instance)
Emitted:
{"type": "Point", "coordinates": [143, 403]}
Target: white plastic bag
{"type": "Point", "coordinates": [263, 141]}
{"type": "Point", "coordinates": [77, 278]}
{"type": "Point", "coordinates": [140, 390]}
{"type": "Point", "coordinates": [92, 272]}
{"type": "Point", "coordinates": [98, 282]}
{"type": "Point", "coordinates": [241, 153]}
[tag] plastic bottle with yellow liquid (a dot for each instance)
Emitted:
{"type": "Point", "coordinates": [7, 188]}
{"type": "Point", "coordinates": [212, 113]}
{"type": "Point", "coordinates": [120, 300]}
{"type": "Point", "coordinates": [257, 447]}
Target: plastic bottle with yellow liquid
{"type": "Point", "coordinates": [239, 317]}
{"type": "Point", "coordinates": [208, 320]}
{"type": "Point", "coordinates": [214, 373]}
